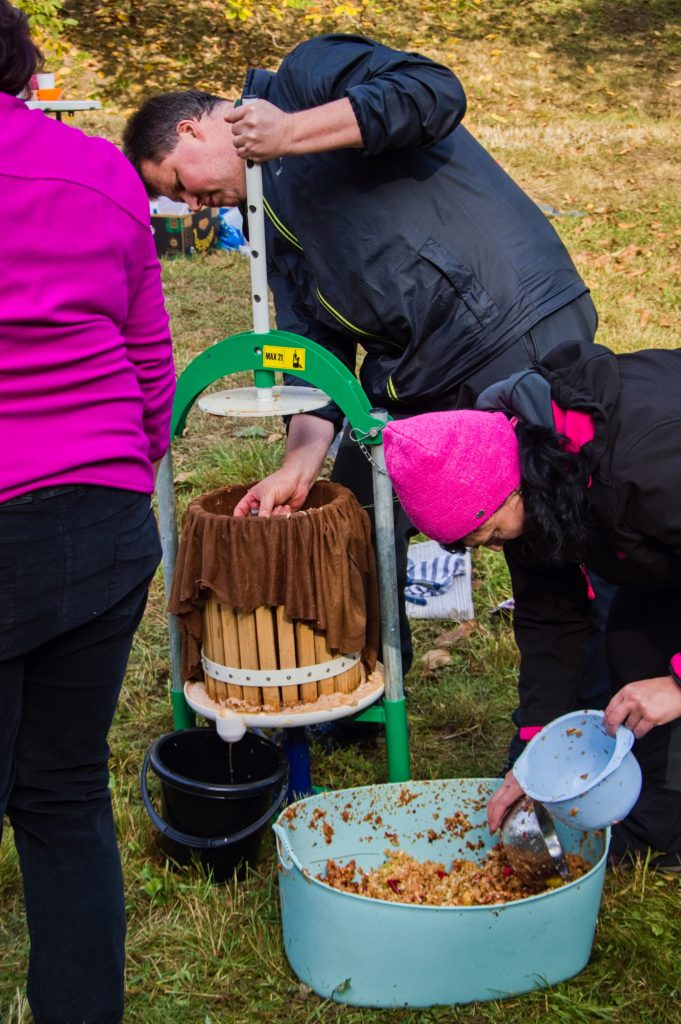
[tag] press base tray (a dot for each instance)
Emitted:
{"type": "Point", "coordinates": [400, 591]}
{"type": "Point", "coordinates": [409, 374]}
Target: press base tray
{"type": "Point", "coordinates": [326, 708]}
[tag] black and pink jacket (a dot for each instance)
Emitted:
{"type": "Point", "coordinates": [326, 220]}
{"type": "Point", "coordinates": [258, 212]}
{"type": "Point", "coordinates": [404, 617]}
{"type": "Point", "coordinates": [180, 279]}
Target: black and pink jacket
{"type": "Point", "coordinates": [624, 413]}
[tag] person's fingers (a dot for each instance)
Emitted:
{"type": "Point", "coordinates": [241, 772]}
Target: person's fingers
{"type": "Point", "coordinates": [613, 719]}
{"type": "Point", "coordinates": [265, 507]}
{"type": "Point", "coordinates": [248, 502]}
{"type": "Point", "coordinates": [236, 114]}
{"type": "Point", "coordinates": [616, 712]}
{"type": "Point", "coordinates": [501, 800]}
{"type": "Point", "coordinates": [495, 814]}
{"type": "Point", "coordinates": [638, 723]}
{"type": "Point", "coordinates": [629, 712]}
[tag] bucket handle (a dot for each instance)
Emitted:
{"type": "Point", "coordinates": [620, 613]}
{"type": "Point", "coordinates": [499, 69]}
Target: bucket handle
{"type": "Point", "coordinates": [204, 842]}
{"type": "Point", "coordinates": [286, 855]}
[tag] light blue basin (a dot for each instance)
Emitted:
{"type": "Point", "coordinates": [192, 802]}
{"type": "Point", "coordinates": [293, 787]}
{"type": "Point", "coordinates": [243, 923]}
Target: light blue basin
{"type": "Point", "coordinates": [368, 952]}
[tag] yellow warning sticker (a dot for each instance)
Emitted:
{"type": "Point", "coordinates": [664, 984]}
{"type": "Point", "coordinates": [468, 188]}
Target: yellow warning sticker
{"type": "Point", "coordinates": [277, 357]}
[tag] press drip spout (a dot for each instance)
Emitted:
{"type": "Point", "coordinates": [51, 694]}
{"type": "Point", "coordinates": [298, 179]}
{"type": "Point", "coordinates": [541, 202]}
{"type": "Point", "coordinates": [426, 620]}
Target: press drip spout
{"type": "Point", "coordinates": [230, 726]}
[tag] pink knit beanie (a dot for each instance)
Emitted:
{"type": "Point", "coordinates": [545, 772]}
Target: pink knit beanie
{"type": "Point", "coordinates": [452, 470]}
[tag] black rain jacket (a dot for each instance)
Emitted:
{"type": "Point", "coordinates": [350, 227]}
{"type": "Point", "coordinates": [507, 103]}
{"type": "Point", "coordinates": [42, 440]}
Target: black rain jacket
{"type": "Point", "coordinates": [417, 246]}
{"type": "Point", "coordinates": [634, 504]}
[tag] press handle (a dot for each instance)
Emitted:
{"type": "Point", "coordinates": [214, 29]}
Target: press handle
{"type": "Point", "coordinates": [256, 240]}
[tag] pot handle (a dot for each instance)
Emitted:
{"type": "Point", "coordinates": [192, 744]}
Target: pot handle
{"type": "Point", "coordinates": [286, 855]}
{"type": "Point", "coordinates": [624, 741]}
{"type": "Point", "coordinates": [204, 842]}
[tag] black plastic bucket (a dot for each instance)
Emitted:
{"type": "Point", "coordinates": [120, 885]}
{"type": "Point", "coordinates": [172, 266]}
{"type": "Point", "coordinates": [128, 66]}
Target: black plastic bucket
{"type": "Point", "coordinates": [213, 810]}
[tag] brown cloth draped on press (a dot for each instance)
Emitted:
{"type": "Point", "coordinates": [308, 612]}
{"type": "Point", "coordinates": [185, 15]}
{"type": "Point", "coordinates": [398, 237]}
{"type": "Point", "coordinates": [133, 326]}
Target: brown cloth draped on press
{"type": "Point", "coordinates": [318, 563]}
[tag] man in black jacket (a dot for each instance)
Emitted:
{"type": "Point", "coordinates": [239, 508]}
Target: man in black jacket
{"type": "Point", "coordinates": [389, 226]}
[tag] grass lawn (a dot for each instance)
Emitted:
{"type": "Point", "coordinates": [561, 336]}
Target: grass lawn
{"type": "Point", "coordinates": [580, 102]}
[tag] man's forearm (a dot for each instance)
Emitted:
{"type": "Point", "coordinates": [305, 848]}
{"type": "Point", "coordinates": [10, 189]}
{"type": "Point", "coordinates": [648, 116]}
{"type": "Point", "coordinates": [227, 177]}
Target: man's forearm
{"type": "Point", "coordinates": [319, 129]}
{"type": "Point", "coordinates": [261, 131]}
{"type": "Point", "coordinates": [309, 438]}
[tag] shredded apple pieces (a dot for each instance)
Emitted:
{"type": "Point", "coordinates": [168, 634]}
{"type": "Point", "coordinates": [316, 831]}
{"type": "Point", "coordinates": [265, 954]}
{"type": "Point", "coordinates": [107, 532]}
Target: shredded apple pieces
{"type": "Point", "coordinates": [467, 883]}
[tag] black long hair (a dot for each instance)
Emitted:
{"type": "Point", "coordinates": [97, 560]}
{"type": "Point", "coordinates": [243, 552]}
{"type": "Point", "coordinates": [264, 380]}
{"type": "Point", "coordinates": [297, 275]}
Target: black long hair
{"type": "Point", "coordinates": [20, 58]}
{"type": "Point", "coordinates": [553, 488]}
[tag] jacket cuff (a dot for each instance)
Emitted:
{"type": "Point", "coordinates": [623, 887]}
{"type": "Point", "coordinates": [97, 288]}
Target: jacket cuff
{"type": "Point", "coordinates": [528, 732]}
{"type": "Point", "coordinates": [675, 667]}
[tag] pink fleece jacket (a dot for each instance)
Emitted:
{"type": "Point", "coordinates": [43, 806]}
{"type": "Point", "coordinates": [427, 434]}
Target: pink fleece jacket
{"type": "Point", "coordinates": [86, 368]}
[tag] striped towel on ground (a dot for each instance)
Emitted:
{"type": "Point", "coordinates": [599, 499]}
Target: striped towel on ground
{"type": "Point", "coordinates": [438, 583]}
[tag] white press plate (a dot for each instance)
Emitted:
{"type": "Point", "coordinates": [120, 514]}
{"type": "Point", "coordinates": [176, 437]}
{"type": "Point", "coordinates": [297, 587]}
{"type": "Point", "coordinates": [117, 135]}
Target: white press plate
{"type": "Point", "coordinates": [281, 400]}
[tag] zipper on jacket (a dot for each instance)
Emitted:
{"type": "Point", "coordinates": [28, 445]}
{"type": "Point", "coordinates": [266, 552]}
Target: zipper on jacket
{"type": "Point", "coordinates": [343, 321]}
{"type": "Point", "coordinates": [281, 228]}
{"type": "Point", "coordinates": [589, 588]}
{"type": "Point", "coordinates": [392, 390]}
{"type": "Point", "coordinates": [347, 324]}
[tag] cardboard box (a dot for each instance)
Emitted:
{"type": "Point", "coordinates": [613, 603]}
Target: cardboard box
{"type": "Point", "coordinates": [187, 233]}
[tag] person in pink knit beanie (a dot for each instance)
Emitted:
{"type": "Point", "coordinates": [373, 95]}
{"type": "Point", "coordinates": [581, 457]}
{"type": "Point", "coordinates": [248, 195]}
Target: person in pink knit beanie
{"type": "Point", "coordinates": [470, 460]}
{"type": "Point", "coordinates": [573, 468]}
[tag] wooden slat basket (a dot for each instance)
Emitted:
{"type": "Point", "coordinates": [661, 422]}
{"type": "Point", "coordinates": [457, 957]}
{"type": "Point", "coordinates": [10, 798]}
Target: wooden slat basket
{"type": "Point", "coordinates": [276, 650]}
{"type": "Point", "coordinates": [277, 611]}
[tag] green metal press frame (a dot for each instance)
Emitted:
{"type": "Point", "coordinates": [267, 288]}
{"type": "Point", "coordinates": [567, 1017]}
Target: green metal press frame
{"type": "Point", "coordinates": [243, 352]}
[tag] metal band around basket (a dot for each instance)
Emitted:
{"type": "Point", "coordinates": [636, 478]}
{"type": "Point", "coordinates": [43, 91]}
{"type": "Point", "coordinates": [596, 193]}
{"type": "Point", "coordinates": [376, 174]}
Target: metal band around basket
{"type": "Point", "coordinates": [279, 676]}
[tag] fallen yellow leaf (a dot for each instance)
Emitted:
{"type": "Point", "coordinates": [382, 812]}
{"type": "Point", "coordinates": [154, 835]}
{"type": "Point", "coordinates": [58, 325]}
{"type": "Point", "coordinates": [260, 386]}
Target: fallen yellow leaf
{"type": "Point", "coordinates": [435, 659]}
{"type": "Point", "coordinates": [455, 637]}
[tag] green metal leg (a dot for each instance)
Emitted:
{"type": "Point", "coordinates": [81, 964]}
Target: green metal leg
{"type": "Point", "coordinates": [183, 716]}
{"type": "Point", "coordinates": [393, 713]}
{"type": "Point", "coordinates": [397, 740]}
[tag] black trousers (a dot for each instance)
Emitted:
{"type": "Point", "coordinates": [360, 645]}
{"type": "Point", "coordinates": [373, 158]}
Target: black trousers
{"type": "Point", "coordinates": [74, 572]}
{"type": "Point", "coordinates": [642, 634]}
{"type": "Point", "coordinates": [576, 321]}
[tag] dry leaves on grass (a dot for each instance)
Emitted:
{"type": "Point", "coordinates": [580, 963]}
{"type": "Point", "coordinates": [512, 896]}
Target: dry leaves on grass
{"type": "Point", "coordinates": [437, 658]}
{"type": "Point", "coordinates": [456, 637]}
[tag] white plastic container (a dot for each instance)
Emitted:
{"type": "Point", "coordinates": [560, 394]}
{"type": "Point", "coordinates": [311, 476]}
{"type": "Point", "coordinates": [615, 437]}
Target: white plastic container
{"type": "Point", "coordinates": [584, 777]}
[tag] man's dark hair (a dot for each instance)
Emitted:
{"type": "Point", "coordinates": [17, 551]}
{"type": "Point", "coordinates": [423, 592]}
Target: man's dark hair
{"type": "Point", "coordinates": [151, 132]}
{"type": "Point", "coordinates": [20, 58]}
{"type": "Point", "coordinates": [553, 489]}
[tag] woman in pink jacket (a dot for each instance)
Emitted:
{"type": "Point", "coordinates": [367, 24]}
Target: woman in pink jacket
{"type": "Point", "coordinates": [86, 386]}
